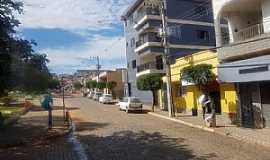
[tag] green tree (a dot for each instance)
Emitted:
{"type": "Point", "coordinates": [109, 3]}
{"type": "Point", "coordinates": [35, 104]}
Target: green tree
{"type": "Point", "coordinates": [54, 84]}
{"type": "Point", "coordinates": [77, 85]}
{"type": "Point", "coordinates": [110, 86]}
{"type": "Point", "coordinates": [20, 67]}
{"type": "Point", "coordinates": [8, 22]}
{"type": "Point", "coordinates": [101, 85]}
{"type": "Point", "coordinates": [91, 84]}
{"type": "Point", "coordinates": [150, 82]}
{"type": "Point", "coordinates": [201, 75]}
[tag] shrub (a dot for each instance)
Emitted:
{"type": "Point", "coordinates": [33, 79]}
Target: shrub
{"type": "Point", "coordinates": [7, 100]}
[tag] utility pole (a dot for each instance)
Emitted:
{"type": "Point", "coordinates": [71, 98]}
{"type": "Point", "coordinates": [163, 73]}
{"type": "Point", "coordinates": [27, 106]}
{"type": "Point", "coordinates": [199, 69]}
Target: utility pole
{"type": "Point", "coordinates": [98, 65]}
{"type": "Point", "coordinates": [161, 4]}
{"type": "Point", "coordinates": [63, 98]}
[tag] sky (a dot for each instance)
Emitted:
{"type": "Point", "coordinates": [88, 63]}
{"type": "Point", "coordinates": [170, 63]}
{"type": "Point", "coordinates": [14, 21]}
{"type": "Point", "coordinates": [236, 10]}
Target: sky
{"type": "Point", "coordinates": [72, 31]}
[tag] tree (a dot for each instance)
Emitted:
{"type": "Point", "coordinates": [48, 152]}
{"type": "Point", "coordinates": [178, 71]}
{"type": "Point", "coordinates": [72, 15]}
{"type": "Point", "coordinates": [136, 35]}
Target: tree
{"type": "Point", "coordinates": [54, 84]}
{"type": "Point", "coordinates": [8, 22]}
{"type": "Point", "coordinates": [150, 82]}
{"type": "Point", "coordinates": [77, 85]}
{"type": "Point", "coordinates": [201, 75]}
{"type": "Point", "coordinates": [111, 85]}
{"type": "Point", "coordinates": [101, 85]}
{"type": "Point", "coordinates": [20, 67]}
{"type": "Point", "coordinates": [91, 84]}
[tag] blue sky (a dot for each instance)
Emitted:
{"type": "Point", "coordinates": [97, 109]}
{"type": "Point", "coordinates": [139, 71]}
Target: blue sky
{"type": "Point", "coordinates": [70, 32]}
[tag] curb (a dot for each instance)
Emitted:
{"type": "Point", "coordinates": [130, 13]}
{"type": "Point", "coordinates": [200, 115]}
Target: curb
{"type": "Point", "coordinates": [236, 137]}
{"type": "Point", "coordinates": [183, 122]}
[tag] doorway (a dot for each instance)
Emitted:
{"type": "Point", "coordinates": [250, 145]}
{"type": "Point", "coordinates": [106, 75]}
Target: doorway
{"type": "Point", "coordinates": [216, 98]}
{"type": "Point", "coordinates": [265, 93]}
{"type": "Point", "coordinates": [246, 105]}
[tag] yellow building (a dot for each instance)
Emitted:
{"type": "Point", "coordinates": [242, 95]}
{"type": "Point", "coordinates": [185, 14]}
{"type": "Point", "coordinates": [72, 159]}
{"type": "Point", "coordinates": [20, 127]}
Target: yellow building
{"type": "Point", "coordinates": [185, 95]}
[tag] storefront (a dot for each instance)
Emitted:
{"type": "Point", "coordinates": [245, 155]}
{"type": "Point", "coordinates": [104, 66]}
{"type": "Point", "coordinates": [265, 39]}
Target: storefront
{"type": "Point", "coordinates": [252, 78]}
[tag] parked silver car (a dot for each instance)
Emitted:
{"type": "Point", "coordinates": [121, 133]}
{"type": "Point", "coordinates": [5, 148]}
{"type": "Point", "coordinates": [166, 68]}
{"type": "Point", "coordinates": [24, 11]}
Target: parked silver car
{"type": "Point", "coordinates": [131, 104]}
{"type": "Point", "coordinates": [106, 98]}
{"type": "Point", "coordinates": [97, 95]}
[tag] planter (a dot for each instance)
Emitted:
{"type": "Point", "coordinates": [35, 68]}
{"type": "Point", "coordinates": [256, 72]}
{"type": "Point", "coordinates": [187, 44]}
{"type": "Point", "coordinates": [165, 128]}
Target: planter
{"type": "Point", "coordinates": [194, 112]}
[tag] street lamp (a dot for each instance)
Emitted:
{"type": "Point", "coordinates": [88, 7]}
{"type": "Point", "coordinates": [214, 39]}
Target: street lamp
{"type": "Point", "coordinates": [161, 4]}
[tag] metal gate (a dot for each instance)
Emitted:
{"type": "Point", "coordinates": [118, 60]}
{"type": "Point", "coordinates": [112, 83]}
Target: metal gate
{"type": "Point", "coordinates": [265, 93]}
{"type": "Point", "coordinates": [246, 105]}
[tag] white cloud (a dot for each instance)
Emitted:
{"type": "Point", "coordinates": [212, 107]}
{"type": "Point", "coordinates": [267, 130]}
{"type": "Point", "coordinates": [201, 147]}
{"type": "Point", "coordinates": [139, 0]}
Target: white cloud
{"type": "Point", "coordinates": [72, 15]}
{"type": "Point", "coordinates": [80, 17]}
{"type": "Point", "coordinates": [109, 50]}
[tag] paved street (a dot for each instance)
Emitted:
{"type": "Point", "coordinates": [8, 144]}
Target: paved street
{"type": "Point", "coordinates": [110, 134]}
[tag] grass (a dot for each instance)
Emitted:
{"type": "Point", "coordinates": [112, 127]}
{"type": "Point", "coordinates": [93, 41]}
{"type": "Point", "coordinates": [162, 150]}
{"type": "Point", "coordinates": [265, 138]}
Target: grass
{"type": "Point", "coordinates": [8, 111]}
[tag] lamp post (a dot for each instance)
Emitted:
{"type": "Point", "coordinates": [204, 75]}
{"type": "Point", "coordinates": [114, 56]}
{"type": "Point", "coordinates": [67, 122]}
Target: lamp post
{"type": "Point", "coordinates": [161, 4]}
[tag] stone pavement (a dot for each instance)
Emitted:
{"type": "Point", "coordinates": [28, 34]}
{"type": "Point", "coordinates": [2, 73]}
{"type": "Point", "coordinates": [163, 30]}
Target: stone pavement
{"type": "Point", "coordinates": [109, 134]}
{"type": "Point", "coordinates": [29, 138]}
{"type": "Point", "coordinates": [255, 136]}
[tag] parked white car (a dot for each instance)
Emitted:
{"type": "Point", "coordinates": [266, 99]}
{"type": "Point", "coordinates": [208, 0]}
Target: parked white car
{"type": "Point", "coordinates": [130, 104]}
{"type": "Point", "coordinates": [97, 95]}
{"type": "Point", "coordinates": [106, 98]}
{"type": "Point", "coordinates": [91, 94]}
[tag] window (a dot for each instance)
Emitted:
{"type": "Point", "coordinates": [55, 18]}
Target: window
{"type": "Point", "coordinates": [201, 10]}
{"type": "Point", "coordinates": [132, 42]}
{"type": "Point", "coordinates": [175, 31]}
{"type": "Point", "coordinates": [135, 100]}
{"type": "Point", "coordinates": [203, 35]}
{"type": "Point", "coordinates": [134, 65]}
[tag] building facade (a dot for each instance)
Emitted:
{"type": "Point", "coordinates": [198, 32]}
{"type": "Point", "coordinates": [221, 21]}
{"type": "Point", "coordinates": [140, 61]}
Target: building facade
{"type": "Point", "coordinates": [190, 27]}
{"type": "Point", "coordinates": [185, 95]}
{"type": "Point", "coordinates": [245, 56]}
{"type": "Point", "coordinates": [118, 76]}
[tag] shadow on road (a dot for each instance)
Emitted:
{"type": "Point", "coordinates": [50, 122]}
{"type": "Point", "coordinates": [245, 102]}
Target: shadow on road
{"type": "Point", "coordinates": [129, 145]}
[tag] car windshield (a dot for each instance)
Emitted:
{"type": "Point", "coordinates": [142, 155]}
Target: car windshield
{"type": "Point", "coordinates": [108, 96]}
{"type": "Point", "coordinates": [135, 100]}
{"type": "Point", "coordinates": [99, 94]}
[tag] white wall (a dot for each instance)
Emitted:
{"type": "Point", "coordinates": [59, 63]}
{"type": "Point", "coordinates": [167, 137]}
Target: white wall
{"type": "Point", "coordinates": [266, 15]}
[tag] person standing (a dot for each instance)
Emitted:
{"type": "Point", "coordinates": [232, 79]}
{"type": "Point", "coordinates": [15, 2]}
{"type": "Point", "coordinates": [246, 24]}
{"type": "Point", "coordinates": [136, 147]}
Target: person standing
{"type": "Point", "coordinates": [47, 104]}
{"type": "Point", "coordinates": [204, 100]}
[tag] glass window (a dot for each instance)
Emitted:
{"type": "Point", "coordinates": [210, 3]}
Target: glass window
{"type": "Point", "coordinates": [135, 100]}
{"type": "Point", "coordinates": [202, 35]}
{"type": "Point", "coordinates": [134, 65]}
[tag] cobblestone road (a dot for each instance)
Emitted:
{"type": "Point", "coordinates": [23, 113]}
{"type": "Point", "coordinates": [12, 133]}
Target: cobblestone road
{"type": "Point", "coordinates": [109, 134]}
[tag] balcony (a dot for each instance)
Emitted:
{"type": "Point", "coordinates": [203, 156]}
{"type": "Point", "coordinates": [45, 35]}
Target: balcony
{"type": "Point", "coordinates": [148, 40]}
{"type": "Point", "coordinates": [245, 43]}
{"type": "Point", "coordinates": [145, 14]}
{"type": "Point", "coordinates": [150, 67]}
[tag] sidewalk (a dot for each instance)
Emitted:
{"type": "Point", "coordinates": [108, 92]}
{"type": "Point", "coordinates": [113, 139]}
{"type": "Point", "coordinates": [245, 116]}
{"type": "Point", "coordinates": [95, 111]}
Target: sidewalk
{"type": "Point", "coordinates": [30, 139]}
{"type": "Point", "coordinates": [254, 136]}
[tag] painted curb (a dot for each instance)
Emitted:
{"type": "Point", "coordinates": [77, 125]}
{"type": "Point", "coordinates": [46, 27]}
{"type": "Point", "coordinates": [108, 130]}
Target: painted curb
{"type": "Point", "coordinates": [182, 122]}
{"type": "Point", "coordinates": [236, 137]}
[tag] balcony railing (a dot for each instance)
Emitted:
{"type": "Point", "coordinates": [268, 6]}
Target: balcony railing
{"type": "Point", "coordinates": [150, 65]}
{"type": "Point", "coordinates": [249, 32]}
{"type": "Point", "coordinates": [141, 42]}
{"type": "Point", "coordinates": [245, 34]}
{"type": "Point", "coordinates": [147, 11]}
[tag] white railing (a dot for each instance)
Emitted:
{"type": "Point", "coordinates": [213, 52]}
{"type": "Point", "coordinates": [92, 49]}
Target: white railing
{"type": "Point", "coordinates": [249, 32]}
